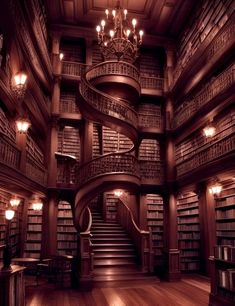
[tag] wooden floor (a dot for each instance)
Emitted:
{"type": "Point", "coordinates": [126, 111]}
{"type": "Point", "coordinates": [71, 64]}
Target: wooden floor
{"type": "Point", "coordinates": [190, 291]}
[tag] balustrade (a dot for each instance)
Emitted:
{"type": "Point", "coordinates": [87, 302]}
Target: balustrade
{"type": "Point", "coordinates": [190, 107]}
{"type": "Point", "coordinates": [151, 83]}
{"type": "Point", "coordinates": [34, 170]}
{"type": "Point", "coordinates": [73, 68]}
{"type": "Point", "coordinates": [107, 105]}
{"type": "Point", "coordinates": [109, 164]}
{"type": "Point", "coordinates": [149, 121]}
{"type": "Point", "coordinates": [218, 43]}
{"type": "Point", "coordinates": [141, 238]}
{"type": "Point", "coordinates": [207, 154]}
{"type": "Point", "coordinates": [114, 68]}
{"type": "Point", "coordinates": [9, 153]}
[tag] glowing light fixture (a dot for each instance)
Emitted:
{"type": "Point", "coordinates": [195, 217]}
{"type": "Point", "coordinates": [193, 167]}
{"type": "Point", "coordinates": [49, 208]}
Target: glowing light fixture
{"type": "Point", "coordinates": [22, 125]}
{"type": "Point", "coordinates": [14, 201]}
{"type": "Point", "coordinates": [19, 85]}
{"type": "Point", "coordinates": [118, 193]}
{"type": "Point", "coordinates": [9, 214]}
{"type": "Point", "coordinates": [215, 188]}
{"type": "Point", "coordinates": [61, 56]}
{"type": "Point", "coordinates": [209, 131]}
{"type": "Point", "coordinates": [37, 205]}
{"type": "Point", "coordinates": [117, 36]}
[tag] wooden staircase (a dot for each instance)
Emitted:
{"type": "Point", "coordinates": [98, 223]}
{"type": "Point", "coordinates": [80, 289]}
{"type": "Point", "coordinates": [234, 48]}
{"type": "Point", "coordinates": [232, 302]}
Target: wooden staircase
{"type": "Point", "coordinates": [115, 256]}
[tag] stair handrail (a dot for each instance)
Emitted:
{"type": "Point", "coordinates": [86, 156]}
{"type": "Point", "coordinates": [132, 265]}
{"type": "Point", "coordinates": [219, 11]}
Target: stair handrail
{"type": "Point", "coordinates": [85, 249]}
{"type": "Point", "coordinates": [141, 238]}
{"type": "Point", "coordinates": [81, 171]}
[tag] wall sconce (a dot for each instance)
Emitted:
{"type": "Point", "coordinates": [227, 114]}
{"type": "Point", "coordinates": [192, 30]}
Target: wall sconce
{"type": "Point", "coordinates": [118, 193]}
{"type": "Point", "coordinates": [19, 85]}
{"type": "Point", "coordinates": [215, 188]}
{"type": "Point", "coordinates": [37, 205]}
{"type": "Point", "coordinates": [9, 214]}
{"type": "Point", "coordinates": [209, 131]}
{"type": "Point", "coordinates": [22, 125]}
{"type": "Point", "coordinates": [14, 201]}
{"type": "Point", "coordinates": [61, 56]}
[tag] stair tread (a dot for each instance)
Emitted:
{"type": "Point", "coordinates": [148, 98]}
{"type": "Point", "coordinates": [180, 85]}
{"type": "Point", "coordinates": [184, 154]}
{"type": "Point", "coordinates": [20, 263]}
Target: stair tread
{"type": "Point", "coordinates": [114, 250]}
{"type": "Point", "coordinates": [111, 244]}
{"type": "Point", "coordinates": [113, 262]}
{"type": "Point", "coordinates": [114, 256]}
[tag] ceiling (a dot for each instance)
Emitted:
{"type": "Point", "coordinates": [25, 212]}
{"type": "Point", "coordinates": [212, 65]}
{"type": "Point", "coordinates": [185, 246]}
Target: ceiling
{"type": "Point", "coordinates": [157, 17]}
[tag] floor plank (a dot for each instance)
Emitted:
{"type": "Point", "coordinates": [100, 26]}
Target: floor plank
{"type": "Point", "coordinates": [190, 291]}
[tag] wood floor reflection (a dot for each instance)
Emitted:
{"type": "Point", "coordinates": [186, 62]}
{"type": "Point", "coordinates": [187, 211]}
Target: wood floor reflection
{"type": "Point", "coordinates": [190, 291]}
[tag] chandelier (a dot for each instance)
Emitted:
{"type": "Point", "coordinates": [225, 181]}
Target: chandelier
{"type": "Point", "coordinates": [117, 37]}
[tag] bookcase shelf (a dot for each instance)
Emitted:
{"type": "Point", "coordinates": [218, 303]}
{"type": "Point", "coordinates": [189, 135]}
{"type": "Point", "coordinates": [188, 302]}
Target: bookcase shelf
{"type": "Point", "coordinates": [34, 234]}
{"type": "Point", "coordinates": [155, 225]}
{"type": "Point", "coordinates": [66, 232]}
{"type": "Point", "coordinates": [189, 231]}
{"type": "Point", "coordinates": [223, 263]}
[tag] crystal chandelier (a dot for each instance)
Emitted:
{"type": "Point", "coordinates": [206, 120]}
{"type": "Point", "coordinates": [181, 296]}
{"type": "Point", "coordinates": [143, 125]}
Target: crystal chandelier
{"type": "Point", "coordinates": [117, 37]}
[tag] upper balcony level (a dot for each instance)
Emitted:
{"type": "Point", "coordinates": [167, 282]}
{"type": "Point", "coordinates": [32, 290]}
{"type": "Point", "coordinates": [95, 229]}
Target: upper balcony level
{"type": "Point", "coordinates": [202, 49]}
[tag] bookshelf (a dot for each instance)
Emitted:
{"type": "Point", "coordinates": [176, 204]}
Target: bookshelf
{"type": "Point", "coordinates": [225, 215]}
{"type": "Point", "coordinates": [73, 50]}
{"type": "Point", "coordinates": [66, 232]}
{"type": "Point", "coordinates": [223, 276]}
{"type": "Point", "coordinates": [2, 221]}
{"type": "Point", "coordinates": [151, 63]}
{"type": "Point", "coordinates": [15, 229]}
{"type": "Point", "coordinates": [110, 206]}
{"type": "Point", "coordinates": [188, 232]}
{"type": "Point", "coordinates": [34, 234]}
{"type": "Point", "coordinates": [155, 225]}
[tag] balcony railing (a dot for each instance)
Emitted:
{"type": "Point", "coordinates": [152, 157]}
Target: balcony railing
{"type": "Point", "coordinates": [73, 68]}
{"type": "Point", "coordinates": [218, 43]}
{"type": "Point", "coordinates": [151, 83]}
{"type": "Point", "coordinates": [35, 171]}
{"type": "Point", "coordinates": [107, 105]}
{"type": "Point", "coordinates": [189, 108]}
{"type": "Point", "coordinates": [9, 153]}
{"type": "Point", "coordinates": [114, 163]}
{"type": "Point", "coordinates": [207, 154]}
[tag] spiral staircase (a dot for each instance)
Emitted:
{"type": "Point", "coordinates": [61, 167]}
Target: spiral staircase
{"type": "Point", "coordinates": [108, 93]}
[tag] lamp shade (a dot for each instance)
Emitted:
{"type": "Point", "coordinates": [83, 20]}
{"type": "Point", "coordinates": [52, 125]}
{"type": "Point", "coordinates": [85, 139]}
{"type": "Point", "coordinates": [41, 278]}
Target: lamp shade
{"type": "Point", "coordinates": [9, 214]}
{"type": "Point", "coordinates": [15, 202]}
{"type": "Point", "coordinates": [37, 205]}
{"type": "Point", "coordinates": [215, 189]}
{"type": "Point", "coordinates": [118, 193]}
{"type": "Point", "coordinates": [22, 125]}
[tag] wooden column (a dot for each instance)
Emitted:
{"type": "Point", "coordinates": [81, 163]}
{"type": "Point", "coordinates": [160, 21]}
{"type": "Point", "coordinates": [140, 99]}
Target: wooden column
{"type": "Point", "coordinates": [207, 227]}
{"type": "Point", "coordinates": [23, 230]}
{"type": "Point", "coordinates": [143, 212]}
{"type": "Point", "coordinates": [53, 147]}
{"type": "Point", "coordinates": [86, 142]}
{"type": "Point", "coordinates": [21, 140]}
{"type": "Point", "coordinates": [171, 252]}
{"type": "Point", "coordinates": [49, 232]}
{"type": "Point", "coordinates": [88, 52]}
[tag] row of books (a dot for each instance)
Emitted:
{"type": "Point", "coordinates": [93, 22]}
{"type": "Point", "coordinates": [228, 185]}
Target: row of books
{"type": "Point", "coordinates": [226, 226]}
{"type": "Point", "coordinates": [225, 252]}
{"type": "Point", "coordinates": [188, 212]}
{"type": "Point", "coordinates": [188, 244]}
{"type": "Point", "coordinates": [221, 214]}
{"type": "Point", "coordinates": [226, 201]}
{"type": "Point", "coordinates": [190, 235]}
{"type": "Point", "coordinates": [227, 279]}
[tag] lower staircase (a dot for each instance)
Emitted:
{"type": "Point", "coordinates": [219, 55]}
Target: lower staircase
{"type": "Point", "coordinates": [115, 257]}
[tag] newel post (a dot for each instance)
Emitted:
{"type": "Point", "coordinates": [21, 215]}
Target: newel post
{"type": "Point", "coordinates": [85, 261]}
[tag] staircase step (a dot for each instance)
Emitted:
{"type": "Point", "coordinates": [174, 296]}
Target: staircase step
{"type": "Point", "coordinates": [114, 250]}
{"type": "Point", "coordinates": [108, 235]}
{"type": "Point", "coordinates": [114, 256]}
{"type": "Point", "coordinates": [108, 231]}
{"type": "Point", "coordinates": [114, 263]}
{"type": "Point", "coordinates": [107, 245]}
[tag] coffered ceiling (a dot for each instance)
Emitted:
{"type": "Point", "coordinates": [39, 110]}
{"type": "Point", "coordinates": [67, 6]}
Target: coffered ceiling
{"type": "Point", "coordinates": [156, 17]}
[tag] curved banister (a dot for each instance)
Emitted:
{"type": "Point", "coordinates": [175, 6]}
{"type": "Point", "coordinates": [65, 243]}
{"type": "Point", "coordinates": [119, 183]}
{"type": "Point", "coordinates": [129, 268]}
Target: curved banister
{"type": "Point", "coordinates": [142, 239]}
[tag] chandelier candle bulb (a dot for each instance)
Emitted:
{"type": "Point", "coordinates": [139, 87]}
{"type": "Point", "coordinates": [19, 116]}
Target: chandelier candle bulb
{"type": "Point", "coordinates": [117, 36]}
